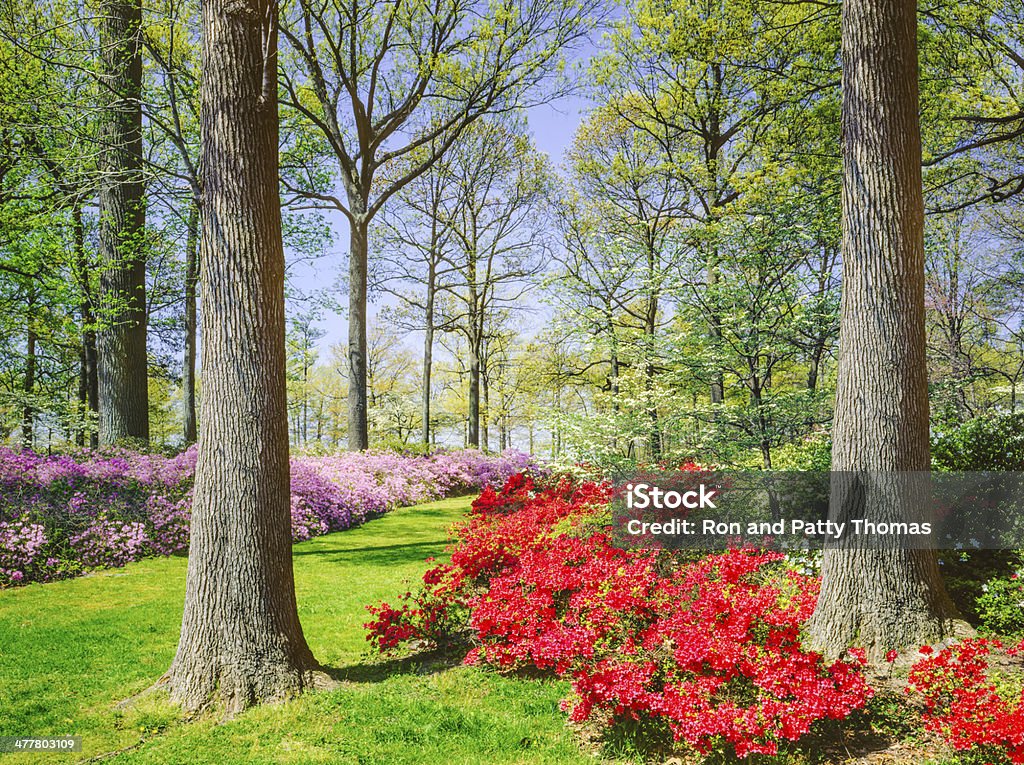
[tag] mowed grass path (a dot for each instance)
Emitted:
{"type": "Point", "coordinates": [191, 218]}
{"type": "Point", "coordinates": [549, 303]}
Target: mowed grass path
{"type": "Point", "coordinates": [70, 651]}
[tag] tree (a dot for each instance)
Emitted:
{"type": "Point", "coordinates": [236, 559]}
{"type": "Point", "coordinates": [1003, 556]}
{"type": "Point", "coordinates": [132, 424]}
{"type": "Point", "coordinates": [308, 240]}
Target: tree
{"type": "Point", "coordinates": [241, 639]}
{"type": "Point", "coordinates": [172, 114]}
{"type": "Point", "coordinates": [123, 384]}
{"type": "Point", "coordinates": [621, 170]}
{"type": "Point", "coordinates": [886, 597]}
{"type": "Point", "coordinates": [53, 147]}
{"type": "Point", "coordinates": [386, 81]}
{"type": "Point", "coordinates": [302, 353]}
{"type": "Point", "coordinates": [709, 83]}
{"type": "Point", "coordinates": [502, 184]}
{"type": "Point", "coordinates": [413, 236]}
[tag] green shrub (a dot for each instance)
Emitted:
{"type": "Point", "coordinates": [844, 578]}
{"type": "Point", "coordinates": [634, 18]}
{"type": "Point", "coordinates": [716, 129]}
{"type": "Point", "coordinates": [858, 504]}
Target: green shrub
{"type": "Point", "coordinates": [1001, 604]}
{"type": "Point", "coordinates": [990, 442]}
{"type": "Point", "coordinates": [814, 452]}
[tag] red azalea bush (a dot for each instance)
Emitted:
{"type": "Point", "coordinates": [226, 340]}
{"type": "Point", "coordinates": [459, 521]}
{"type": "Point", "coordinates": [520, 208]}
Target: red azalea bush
{"type": "Point", "coordinates": [721, 661]}
{"type": "Point", "coordinates": [964, 702]}
{"type": "Point", "coordinates": [709, 651]}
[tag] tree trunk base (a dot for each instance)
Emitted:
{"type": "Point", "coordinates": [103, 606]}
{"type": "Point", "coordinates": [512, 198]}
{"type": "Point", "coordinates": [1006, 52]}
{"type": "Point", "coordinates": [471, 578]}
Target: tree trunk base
{"type": "Point", "coordinates": [909, 610]}
{"type": "Point", "coordinates": [237, 686]}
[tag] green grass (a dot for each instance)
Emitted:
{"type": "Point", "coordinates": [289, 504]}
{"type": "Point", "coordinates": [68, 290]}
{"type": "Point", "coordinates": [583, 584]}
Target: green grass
{"type": "Point", "coordinates": [70, 651]}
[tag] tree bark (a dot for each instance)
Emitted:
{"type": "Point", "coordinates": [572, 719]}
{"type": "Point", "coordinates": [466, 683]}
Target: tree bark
{"type": "Point", "coordinates": [189, 363]}
{"type": "Point", "coordinates": [428, 348]}
{"type": "Point", "coordinates": [123, 382]}
{"type": "Point", "coordinates": [650, 373]}
{"type": "Point", "coordinates": [241, 640]}
{"type": "Point", "coordinates": [89, 383]}
{"type": "Point", "coordinates": [475, 338]}
{"type": "Point", "coordinates": [28, 415]}
{"type": "Point", "coordinates": [485, 408]}
{"type": "Point", "coordinates": [812, 370]}
{"type": "Point", "coordinates": [358, 428]}
{"type": "Point", "coordinates": [888, 598]}
{"type": "Point", "coordinates": [473, 426]}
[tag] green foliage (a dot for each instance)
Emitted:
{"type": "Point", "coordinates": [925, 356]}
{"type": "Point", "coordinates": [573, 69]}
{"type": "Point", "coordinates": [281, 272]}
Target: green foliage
{"type": "Point", "coordinates": [812, 453]}
{"type": "Point", "coordinates": [1000, 607]}
{"type": "Point", "coordinates": [989, 442]}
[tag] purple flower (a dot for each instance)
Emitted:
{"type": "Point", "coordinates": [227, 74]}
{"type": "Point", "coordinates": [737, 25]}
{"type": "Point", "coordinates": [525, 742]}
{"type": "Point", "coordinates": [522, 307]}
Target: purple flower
{"type": "Point", "coordinates": [63, 514]}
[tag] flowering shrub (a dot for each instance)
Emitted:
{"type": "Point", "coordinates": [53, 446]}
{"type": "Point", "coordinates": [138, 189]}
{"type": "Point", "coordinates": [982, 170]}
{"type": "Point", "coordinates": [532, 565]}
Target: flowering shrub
{"type": "Point", "coordinates": [1001, 603]}
{"type": "Point", "coordinates": [61, 515]}
{"type": "Point", "coordinates": [21, 546]}
{"type": "Point", "coordinates": [967, 703]}
{"type": "Point", "coordinates": [709, 651]}
{"type": "Point", "coordinates": [721, 661]}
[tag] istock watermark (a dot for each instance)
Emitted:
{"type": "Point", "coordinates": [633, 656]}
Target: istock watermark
{"type": "Point", "coordinates": [802, 510]}
{"type": "Point", "coordinates": [642, 496]}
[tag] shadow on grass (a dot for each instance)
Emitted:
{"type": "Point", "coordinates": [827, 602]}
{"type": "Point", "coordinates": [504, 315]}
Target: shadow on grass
{"type": "Point", "coordinates": [378, 555]}
{"type": "Point", "coordinates": [430, 662]}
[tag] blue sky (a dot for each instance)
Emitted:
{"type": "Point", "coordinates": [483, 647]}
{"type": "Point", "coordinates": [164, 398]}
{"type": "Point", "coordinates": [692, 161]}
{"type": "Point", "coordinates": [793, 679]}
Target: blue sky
{"type": "Point", "coordinates": [552, 125]}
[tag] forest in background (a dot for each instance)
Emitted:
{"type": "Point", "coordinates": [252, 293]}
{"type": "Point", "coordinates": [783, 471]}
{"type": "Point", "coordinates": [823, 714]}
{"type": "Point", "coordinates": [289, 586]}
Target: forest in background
{"type": "Point", "coordinates": [670, 290]}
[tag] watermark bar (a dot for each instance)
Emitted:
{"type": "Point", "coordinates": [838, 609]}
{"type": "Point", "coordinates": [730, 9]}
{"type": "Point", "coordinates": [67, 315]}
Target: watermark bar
{"type": "Point", "coordinates": [715, 510]}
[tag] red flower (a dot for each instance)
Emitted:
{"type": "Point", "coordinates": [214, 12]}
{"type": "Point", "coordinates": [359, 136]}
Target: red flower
{"type": "Point", "coordinates": [712, 648]}
{"type": "Point", "coordinates": [964, 706]}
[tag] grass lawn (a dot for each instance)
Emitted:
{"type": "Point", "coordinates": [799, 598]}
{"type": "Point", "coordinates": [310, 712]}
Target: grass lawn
{"type": "Point", "coordinates": [69, 651]}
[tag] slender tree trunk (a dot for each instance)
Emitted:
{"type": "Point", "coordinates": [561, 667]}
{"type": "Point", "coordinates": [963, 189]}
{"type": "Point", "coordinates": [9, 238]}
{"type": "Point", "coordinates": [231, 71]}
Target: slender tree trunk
{"type": "Point", "coordinates": [475, 337]}
{"type": "Point", "coordinates": [485, 409]}
{"type": "Point", "coordinates": [189, 364]}
{"type": "Point", "coordinates": [90, 394]}
{"type": "Point", "coordinates": [473, 426]}
{"type": "Point", "coordinates": [814, 367]}
{"type": "Point", "coordinates": [428, 349]}
{"type": "Point", "coordinates": [241, 641]}
{"type": "Point", "coordinates": [717, 388]}
{"type": "Point", "coordinates": [556, 438]}
{"type": "Point", "coordinates": [28, 414]}
{"type": "Point", "coordinates": [123, 382]}
{"type": "Point", "coordinates": [83, 400]}
{"type": "Point", "coordinates": [887, 598]}
{"type": "Point", "coordinates": [650, 327]}
{"type": "Point", "coordinates": [358, 429]}
{"type": "Point", "coordinates": [756, 402]}
{"type": "Point", "coordinates": [713, 148]}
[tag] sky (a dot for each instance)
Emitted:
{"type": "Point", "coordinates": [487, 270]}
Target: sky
{"type": "Point", "coordinates": [552, 127]}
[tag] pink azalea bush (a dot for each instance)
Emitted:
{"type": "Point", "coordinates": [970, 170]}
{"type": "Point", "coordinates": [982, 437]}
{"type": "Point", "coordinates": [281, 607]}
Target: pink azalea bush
{"type": "Point", "coordinates": [61, 515]}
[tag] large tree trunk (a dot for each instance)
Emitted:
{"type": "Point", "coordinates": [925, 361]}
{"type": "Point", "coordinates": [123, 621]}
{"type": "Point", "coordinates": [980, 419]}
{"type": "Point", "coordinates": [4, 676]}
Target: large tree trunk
{"type": "Point", "coordinates": [880, 598]}
{"type": "Point", "coordinates": [241, 641]}
{"type": "Point", "coordinates": [358, 429]}
{"type": "Point", "coordinates": [188, 381]}
{"type": "Point", "coordinates": [123, 383]}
